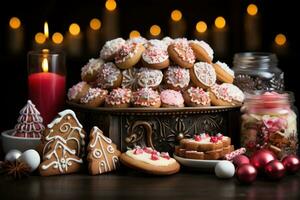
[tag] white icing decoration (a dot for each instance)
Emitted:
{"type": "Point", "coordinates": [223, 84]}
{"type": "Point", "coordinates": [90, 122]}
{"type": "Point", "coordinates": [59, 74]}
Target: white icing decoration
{"type": "Point", "coordinates": [225, 67]}
{"type": "Point", "coordinates": [177, 76]}
{"type": "Point", "coordinates": [91, 67]}
{"type": "Point", "coordinates": [155, 55]}
{"type": "Point", "coordinates": [127, 51]}
{"type": "Point", "coordinates": [61, 116]}
{"type": "Point", "coordinates": [75, 89]}
{"type": "Point", "coordinates": [146, 157]}
{"type": "Point", "coordinates": [111, 48]}
{"type": "Point", "coordinates": [228, 92]}
{"type": "Point", "coordinates": [205, 46]}
{"type": "Point", "coordinates": [130, 78]}
{"type": "Point", "coordinates": [108, 74]}
{"type": "Point", "coordinates": [148, 78]}
{"type": "Point", "coordinates": [205, 73]}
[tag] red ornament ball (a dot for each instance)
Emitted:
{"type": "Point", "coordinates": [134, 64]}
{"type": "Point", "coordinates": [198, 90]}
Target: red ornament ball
{"type": "Point", "coordinates": [246, 173]}
{"type": "Point", "coordinates": [261, 157]}
{"type": "Point", "coordinates": [275, 170]}
{"type": "Point", "coordinates": [291, 163]}
{"type": "Point", "coordinates": [240, 160]}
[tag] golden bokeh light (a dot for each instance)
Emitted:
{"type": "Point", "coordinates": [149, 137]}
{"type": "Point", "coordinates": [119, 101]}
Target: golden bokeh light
{"type": "Point", "coordinates": [57, 38]}
{"type": "Point", "coordinates": [155, 30]}
{"type": "Point", "coordinates": [280, 39]}
{"type": "Point", "coordinates": [40, 38]}
{"type": "Point", "coordinates": [110, 5]}
{"type": "Point", "coordinates": [252, 9]}
{"type": "Point", "coordinates": [74, 29]}
{"type": "Point", "coordinates": [134, 34]}
{"type": "Point", "coordinates": [201, 27]}
{"type": "Point", "coordinates": [176, 15]}
{"type": "Point", "coordinates": [95, 24]}
{"type": "Point", "coordinates": [220, 22]}
{"type": "Point", "coordinates": [15, 23]}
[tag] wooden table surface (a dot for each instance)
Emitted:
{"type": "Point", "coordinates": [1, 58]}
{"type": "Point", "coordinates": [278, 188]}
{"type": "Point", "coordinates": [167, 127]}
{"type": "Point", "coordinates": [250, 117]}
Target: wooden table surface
{"type": "Point", "coordinates": [134, 185]}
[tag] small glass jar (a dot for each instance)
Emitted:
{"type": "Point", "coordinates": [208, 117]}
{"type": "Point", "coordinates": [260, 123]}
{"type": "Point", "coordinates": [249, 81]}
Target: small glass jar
{"type": "Point", "coordinates": [269, 120]}
{"type": "Point", "coordinates": [257, 71]}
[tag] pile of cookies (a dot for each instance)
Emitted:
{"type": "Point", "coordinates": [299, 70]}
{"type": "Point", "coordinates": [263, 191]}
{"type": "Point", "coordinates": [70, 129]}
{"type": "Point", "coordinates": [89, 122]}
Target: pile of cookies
{"type": "Point", "coordinates": [156, 73]}
{"type": "Point", "coordinates": [204, 147]}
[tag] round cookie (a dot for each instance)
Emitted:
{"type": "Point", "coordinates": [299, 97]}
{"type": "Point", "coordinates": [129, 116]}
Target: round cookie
{"type": "Point", "coordinates": [137, 40]}
{"type": "Point", "coordinates": [203, 75]}
{"type": "Point", "coordinates": [109, 76]}
{"type": "Point", "coordinates": [150, 78]}
{"type": "Point", "coordinates": [202, 50]}
{"type": "Point", "coordinates": [150, 161]}
{"type": "Point", "coordinates": [156, 58]}
{"type": "Point", "coordinates": [171, 99]}
{"type": "Point", "coordinates": [155, 43]}
{"type": "Point", "coordinates": [129, 55]}
{"type": "Point", "coordinates": [177, 78]}
{"type": "Point", "coordinates": [76, 92]}
{"type": "Point", "coordinates": [119, 98]}
{"type": "Point", "coordinates": [146, 97]}
{"type": "Point", "coordinates": [90, 70]}
{"type": "Point", "coordinates": [226, 94]}
{"type": "Point", "coordinates": [181, 53]}
{"type": "Point", "coordinates": [224, 73]}
{"type": "Point", "coordinates": [111, 48]}
{"type": "Point", "coordinates": [95, 97]}
{"type": "Point", "coordinates": [130, 79]}
{"type": "Point", "coordinates": [196, 97]}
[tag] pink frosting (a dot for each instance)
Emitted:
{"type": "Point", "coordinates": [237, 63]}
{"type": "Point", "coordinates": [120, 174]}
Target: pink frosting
{"type": "Point", "coordinates": [111, 48]}
{"type": "Point", "coordinates": [155, 55]}
{"type": "Point", "coordinates": [92, 94]}
{"type": "Point", "coordinates": [75, 89]}
{"type": "Point", "coordinates": [184, 51]}
{"type": "Point", "coordinates": [119, 96]}
{"type": "Point", "coordinates": [146, 97]}
{"type": "Point", "coordinates": [228, 92]}
{"type": "Point", "coordinates": [128, 50]}
{"type": "Point", "coordinates": [171, 97]}
{"type": "Point", "coordinates": [198, 96]}
{"type": "Point", "coordinates": [177, 76]}
{"type": "Point", "coordinates": [107, 75]}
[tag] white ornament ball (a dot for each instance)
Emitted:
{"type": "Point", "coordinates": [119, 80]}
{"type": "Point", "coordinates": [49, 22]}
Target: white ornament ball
{"type": "Point", "coordinates": [12, 155]}
{"type": "Point", "coordinates": [31, 158]}
{"type": "Point", "coordinates": [224, 169]}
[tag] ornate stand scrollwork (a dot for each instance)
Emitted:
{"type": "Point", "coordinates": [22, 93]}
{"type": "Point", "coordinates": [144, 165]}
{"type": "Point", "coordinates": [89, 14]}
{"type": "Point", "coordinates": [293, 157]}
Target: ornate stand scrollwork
{"type": "Point", "coordinates": [136, 134]}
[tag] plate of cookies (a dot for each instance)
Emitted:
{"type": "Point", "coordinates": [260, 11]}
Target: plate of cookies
{"type": "Point", "coordinates": [203, 151]}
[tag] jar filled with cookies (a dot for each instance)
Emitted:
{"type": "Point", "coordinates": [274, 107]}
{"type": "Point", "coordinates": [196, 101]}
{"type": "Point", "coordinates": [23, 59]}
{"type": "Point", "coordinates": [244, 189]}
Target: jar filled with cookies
{"type": "Point", "coordinates": [269, 121]}
{"type": "Point", "coordinates": [257, 71]}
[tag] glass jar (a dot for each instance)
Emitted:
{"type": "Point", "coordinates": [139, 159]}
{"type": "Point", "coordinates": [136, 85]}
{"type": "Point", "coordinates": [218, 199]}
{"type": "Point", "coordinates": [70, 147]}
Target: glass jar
{"type": "Point", "coordinates": [257, 71]}
{"type": "Point", "coordinates": [269, 121]}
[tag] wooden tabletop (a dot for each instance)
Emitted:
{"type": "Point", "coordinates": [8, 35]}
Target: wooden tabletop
{"type": "Point", "coordinates": [135, 185]}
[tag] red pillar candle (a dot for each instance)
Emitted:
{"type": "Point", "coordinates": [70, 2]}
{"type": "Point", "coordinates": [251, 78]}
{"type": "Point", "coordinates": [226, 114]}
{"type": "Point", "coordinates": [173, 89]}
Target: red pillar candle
{"type": "Point", "coordinates": [46, 83]}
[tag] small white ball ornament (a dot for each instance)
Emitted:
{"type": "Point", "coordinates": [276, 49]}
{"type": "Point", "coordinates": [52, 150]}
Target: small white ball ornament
{"type": "Point", "coordinates": [31, 158]}
{"type": "Point", "coordinates": [224, 169]}
{"type": "Point", "coordinates": [12, 155]}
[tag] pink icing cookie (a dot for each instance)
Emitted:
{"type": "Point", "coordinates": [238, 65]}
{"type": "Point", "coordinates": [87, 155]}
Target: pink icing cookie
{"type": "Point", "coordinates": [208, 50]}
{"type": "Point", "coordinates": [149, 77]}
{"type": "Point", "coordinates": [203, 75]}
{"type": "Point", "coordinates": [109, 76]}
{"type": "Point", "coordinates": [177, 78]}
{"type": "Point", "coordinates": [137, 40]}
{"type": "Point", "coordinates": [130, 78]}
{"type": "Point", "coordinates": [146, 97]}
{"type": "Point", "coordinates": [93, 94]}
{"type": "Point", "coordinates": [128, 50]}
{"type": "Point", "coordinates": [183, 50]}
{"type": "Point", "coordinates": [226, 92]}
{"type": "Point", "coordinates": [90, 70]}
{"type": "Point", "coordinates": [197, 96]}
{"type": "Point", "coordinates": [111, 48]}
{"type": "Point", "coordinates": [76, 92]}
{"type": "Point", "coordinates": [155, 55]}
{"type": "Point", "coordinates": [30, 123]}
{"type": "Point", "coordinates": [117, 97]}
{"type": "Point", "coordinates": [171, 98]}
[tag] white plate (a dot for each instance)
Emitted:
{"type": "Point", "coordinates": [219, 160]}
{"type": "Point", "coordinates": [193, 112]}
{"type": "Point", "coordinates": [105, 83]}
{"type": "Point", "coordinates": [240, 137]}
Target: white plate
{"type": "Point", "coordinates": [196, 163]}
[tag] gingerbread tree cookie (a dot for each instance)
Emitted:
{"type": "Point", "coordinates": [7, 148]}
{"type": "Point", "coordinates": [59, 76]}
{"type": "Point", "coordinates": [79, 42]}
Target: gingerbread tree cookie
{"type": "Point", "coordinates": [30, 122]}
{"type": "Point", "coordinates": [103, 155]}
{"type": "Point", "coordinates": [63, 145]}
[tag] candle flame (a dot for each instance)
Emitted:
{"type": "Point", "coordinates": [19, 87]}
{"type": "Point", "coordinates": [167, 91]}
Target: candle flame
{"type": "Point", "coordinates": [46, 29]}
{"type": "Point", "coordinates": [45, 65]}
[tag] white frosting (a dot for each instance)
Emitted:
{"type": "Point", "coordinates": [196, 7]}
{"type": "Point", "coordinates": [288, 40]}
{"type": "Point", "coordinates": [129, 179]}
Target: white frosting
{"type": "Point", "coordinates": [206, 47]}
{"type": "Point", "coordinates": [146, 157]}
{"type": "Point", "coordinates": [149, 77]}
{"type": "Point", "coordinates": [91, 67]}
{"type": "Point", "coordinates": [160, 44]}
{"type": "Point", "coordinates": [62, 114]}
{"type": "Point", "coordinates": [155, 55]}
{"type": "Point", "coordinates": [167, 41]}
{"type": "Point", "coordinates": [205, 73]}
{"type": "Point", "coordinates": [128, 50]}
{"type": "Point", "coordinates": [137, 40]}
{"type": "Point", "coordinates": [177, 76]}
{"type": "Point", "coordinates": [228, 92]}
{"type": "Point", "coordinates": [225, 67]}
{"type": "Point", "coordinates": [107, 75]}
{"type": "Point", "coordinates": [130, 78]}
{"type": "Point", "coordinates": [111, 48]}
{"type": "Point", "coordinates": [92, 94]}
{"type": "Point", "coordinates": [75, 89]}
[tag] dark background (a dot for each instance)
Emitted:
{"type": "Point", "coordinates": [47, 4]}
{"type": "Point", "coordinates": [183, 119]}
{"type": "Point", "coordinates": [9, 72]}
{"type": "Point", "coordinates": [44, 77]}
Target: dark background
{"type": "Point", "coordinates": [276, 17]}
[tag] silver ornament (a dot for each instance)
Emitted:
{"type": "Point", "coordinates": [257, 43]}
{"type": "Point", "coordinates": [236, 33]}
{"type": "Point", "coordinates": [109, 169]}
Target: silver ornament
{"type": "Point", "coordinates": [12, 155]}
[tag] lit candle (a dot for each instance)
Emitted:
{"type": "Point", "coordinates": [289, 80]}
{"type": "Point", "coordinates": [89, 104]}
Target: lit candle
{"type": "Point", "coordinates": [220, 37]}
{"type": "Point", "coordinates": [46, 82]}
{"type": "Point", "coordinates": [74, 40]}
{"type": "Point", "coordinates": [177, 24]}
{"type": "Point", "coordinates": [110, 20]}
{"type": "Point", "coordinates": [155, 32]}
{"type": "Point", "coordinates": [280, 45]}
{"type": "Point", "coordinates": [93, 36]}
{"type": "Point", "coordinates": [15, 35]}
{"type": "Point", "coordinates": [201, 31]}
{"type": "Point", "coordinates": [57, 41]}
{"type": "Point", "coordinates": [41, 40]}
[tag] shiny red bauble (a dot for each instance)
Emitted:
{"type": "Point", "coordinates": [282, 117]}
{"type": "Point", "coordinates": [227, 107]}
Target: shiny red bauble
{"type": "Point", "coordinates": [275, 170]}
{"type": "Point", "coordinates": [291, 163]}
{"type": "Point", "coordinates": [240, 160]}
{"type": "Point", "coordinates": [261, 157]}
{"type": "Point", "coordinates": [246, 173]}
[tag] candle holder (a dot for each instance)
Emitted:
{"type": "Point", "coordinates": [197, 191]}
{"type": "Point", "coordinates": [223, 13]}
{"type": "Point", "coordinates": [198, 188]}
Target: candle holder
{"type": "Point", "coordinates": [47, 82]}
